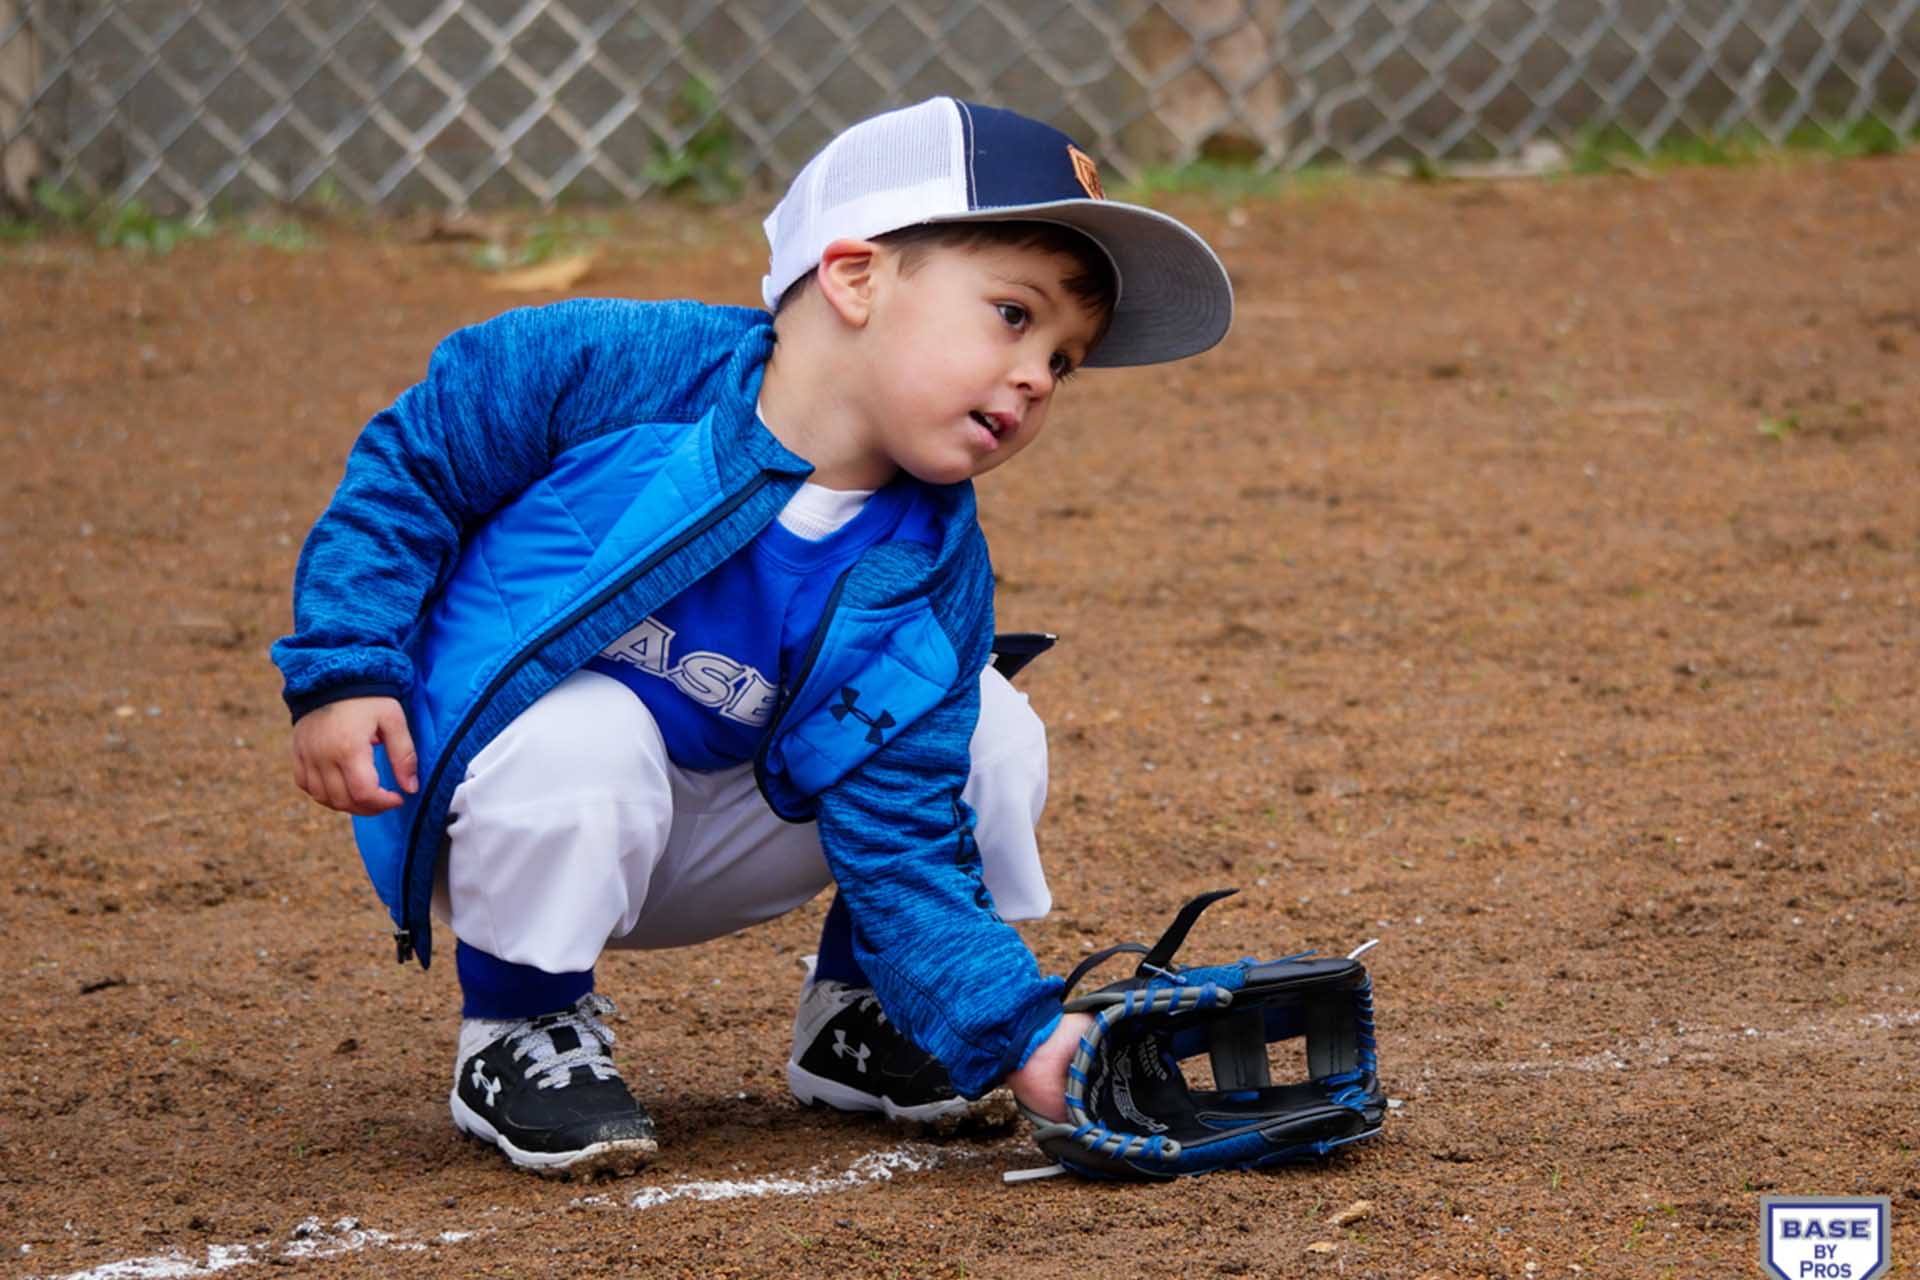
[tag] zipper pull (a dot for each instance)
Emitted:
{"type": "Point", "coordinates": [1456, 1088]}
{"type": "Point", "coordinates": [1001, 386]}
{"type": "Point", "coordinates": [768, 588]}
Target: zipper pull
{"type": "Point", "coordinates": [403, 945]}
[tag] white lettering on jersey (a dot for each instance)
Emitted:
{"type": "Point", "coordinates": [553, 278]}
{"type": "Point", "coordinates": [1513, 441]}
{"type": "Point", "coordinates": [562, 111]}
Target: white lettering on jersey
{"type": "Point", "coordinates": [645, 647]}
{"type": "Point", "coordinates": [753, 701]}
{"type": "Point", "coordinates": [734, 689]}
{"type": "Point", "coordinates": [707, 678]}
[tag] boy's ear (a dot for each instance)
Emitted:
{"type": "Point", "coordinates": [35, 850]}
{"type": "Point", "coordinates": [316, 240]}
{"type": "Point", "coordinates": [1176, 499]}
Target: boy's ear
{"type": "Point", "coordinates": [846, 275]}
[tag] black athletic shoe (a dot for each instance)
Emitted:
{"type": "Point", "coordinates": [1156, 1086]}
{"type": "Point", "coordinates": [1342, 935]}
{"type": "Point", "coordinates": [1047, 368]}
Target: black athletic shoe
{"type": "Point", "coordinates": [546, 1093]}
{"type": "Point", "coordinates": [848, 1056]}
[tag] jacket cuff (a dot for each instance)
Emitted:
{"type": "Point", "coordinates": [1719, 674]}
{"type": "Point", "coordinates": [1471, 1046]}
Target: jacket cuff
{"type": "Point", "coordinates": [313, 700]}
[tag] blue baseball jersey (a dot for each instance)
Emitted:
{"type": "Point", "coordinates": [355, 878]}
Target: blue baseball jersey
{"type": "Point", "coordinates": [710, 663]}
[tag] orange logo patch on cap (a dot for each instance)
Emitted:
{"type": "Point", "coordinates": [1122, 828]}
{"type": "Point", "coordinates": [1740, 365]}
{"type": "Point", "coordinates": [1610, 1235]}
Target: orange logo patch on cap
{"type": "Point", "coordinates": [1088, 172]}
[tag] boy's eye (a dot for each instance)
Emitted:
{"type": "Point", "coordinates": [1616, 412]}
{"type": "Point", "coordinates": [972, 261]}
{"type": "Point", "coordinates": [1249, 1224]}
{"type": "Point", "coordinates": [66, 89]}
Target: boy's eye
{"type": "Point", "coordinates": [1013, 313]}
{"type": "Point", "coordinates": [1062, 366]}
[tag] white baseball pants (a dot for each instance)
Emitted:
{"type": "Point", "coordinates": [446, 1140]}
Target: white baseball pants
{"type": "Point", "coordinates": [573, 832]}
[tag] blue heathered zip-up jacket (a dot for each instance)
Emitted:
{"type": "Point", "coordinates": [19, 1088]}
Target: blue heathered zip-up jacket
{"type": "Point", "coordinates": [562, 471]}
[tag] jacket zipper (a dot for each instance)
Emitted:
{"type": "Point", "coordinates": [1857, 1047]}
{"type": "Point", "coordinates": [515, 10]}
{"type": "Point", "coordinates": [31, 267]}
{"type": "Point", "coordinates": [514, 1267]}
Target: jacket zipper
{"type": "Point", "coordinates": [403, 938]}
{"type": "Point", "coordinates": [799, 682]}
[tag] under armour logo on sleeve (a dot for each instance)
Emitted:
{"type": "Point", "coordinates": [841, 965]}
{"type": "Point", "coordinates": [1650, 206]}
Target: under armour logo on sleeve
{"type": "Point", "coordinates": [876, 725]}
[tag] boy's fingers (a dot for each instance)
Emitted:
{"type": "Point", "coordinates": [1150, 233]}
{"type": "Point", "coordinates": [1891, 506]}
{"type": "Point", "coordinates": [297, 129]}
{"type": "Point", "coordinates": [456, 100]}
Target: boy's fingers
{"type": "Point", "coordinates": [333, 761]}
{"type": "Point", "coordinates": [337, 792]}
{"type": "Point", "coordinates": [365, 795]}
{"type": "Point", "coordinates": [332, 788]}
{"type": "Point", "coordinates": [399, 744]}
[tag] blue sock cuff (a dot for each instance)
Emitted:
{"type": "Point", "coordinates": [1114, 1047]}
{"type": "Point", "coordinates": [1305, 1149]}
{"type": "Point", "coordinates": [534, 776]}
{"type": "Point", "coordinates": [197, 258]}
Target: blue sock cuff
{"type": "Point", "coordinates": [494, 988]}
{"type": "Point", "coordinates": [836, 962]}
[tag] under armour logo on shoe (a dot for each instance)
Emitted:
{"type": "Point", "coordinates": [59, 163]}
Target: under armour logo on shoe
{"type": "Point", "coordinates": [875, 724]}
{"type": "Point", "coordinates": [841, 1049]}
{"type": "Point", "coordinates": [480, 1081]}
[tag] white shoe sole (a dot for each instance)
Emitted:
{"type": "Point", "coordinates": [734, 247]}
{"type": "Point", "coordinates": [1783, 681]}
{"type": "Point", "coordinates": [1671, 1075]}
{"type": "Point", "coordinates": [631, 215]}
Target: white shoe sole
{"type": "Point", "coordinates": [812, 1090]}
{"type": "Point", "coordinates": [623, 1156]}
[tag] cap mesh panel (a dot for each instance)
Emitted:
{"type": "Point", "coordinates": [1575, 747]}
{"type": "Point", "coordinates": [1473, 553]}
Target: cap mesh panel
{"type": "Point", "coordinates": [891, 154]}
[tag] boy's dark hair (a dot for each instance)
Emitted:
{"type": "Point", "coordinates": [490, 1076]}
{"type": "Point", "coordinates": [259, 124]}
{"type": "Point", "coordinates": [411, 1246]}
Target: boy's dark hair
{"type": "Point", "coordinates": [1094, 283]}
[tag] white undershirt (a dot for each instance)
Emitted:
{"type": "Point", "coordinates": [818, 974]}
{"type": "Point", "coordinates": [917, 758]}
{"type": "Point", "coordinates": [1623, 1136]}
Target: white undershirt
{"type": "Point", "coordinates": [816, 511]}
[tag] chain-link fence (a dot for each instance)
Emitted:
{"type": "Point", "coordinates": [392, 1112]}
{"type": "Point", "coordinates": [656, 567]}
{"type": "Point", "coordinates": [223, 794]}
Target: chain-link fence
{"type": "Point", "coordinates": [191, 104]}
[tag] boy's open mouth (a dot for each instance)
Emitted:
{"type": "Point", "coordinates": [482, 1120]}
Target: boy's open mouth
{"type": "Point", "coordinates": [995, 424]}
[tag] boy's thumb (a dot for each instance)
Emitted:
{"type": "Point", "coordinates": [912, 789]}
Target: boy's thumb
{"type": "Point", "coordinates": [399, 744]}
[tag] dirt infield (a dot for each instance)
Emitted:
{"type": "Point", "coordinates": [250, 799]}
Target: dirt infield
{"type": "Point", "coordinates": [1531, 582]}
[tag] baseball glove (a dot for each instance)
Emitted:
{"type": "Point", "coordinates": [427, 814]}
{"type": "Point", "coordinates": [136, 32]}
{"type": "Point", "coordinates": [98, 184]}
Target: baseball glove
{"type": "Point", "coordinates": [1131, 1112]}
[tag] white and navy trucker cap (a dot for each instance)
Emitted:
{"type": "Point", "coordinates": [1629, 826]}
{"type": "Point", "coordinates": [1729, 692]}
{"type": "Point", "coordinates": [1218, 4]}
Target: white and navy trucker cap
{"type": "Point", "coordinates": [950, 161]}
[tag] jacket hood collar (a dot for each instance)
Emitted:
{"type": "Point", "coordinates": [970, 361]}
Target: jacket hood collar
{"type": "Point", "coordinates": [743, 445]}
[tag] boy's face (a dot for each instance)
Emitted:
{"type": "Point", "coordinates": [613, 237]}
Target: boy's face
{"type": "Point", "coordinates": [967, 349]}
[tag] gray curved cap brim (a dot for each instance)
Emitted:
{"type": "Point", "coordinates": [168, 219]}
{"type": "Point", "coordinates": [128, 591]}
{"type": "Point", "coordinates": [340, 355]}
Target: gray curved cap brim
{"type": "Point", "coordinates": [1175, 298]}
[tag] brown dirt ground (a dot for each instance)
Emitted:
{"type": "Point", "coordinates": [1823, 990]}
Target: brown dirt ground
{"type": "Point", "coordinates": [1459, 599]}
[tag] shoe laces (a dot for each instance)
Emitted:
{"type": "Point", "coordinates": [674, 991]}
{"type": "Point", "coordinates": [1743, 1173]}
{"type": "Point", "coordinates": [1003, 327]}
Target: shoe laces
{"type": "Point", "coordinates": [869, 1004]}
{"type": "Point", "coordinates": [533, 1040]}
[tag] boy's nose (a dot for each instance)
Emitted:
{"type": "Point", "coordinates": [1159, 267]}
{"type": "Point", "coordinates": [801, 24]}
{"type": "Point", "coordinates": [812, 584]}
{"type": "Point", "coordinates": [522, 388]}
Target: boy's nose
{"type": "Point", "coordinates": [1034, 378]}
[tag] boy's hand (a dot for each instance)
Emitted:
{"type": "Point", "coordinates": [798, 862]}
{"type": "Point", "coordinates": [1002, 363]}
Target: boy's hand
{"type": "Point", "coordinates": [1041, 1085]}
{"type": "Point", "coordinates": [333, 755]}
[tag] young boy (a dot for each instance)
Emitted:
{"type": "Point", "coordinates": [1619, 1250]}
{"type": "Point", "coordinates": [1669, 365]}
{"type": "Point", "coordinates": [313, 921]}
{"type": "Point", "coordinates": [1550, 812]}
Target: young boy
{"type": "Point", "coordinates": [638, 623]}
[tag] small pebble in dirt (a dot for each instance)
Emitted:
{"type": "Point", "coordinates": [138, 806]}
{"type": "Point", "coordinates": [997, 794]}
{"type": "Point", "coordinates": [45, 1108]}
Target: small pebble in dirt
{"type": "Point", "coordinates": [1358, 1211]}
{"type": "Point", "coordinates": [1322, 1246]}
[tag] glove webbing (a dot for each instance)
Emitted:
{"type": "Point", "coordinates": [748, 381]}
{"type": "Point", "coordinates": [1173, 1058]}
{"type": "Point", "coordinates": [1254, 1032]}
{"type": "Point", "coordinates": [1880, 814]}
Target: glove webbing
{"type": "Point", "coordinates": [1087, 1131]}
{"type": "Point", "coordinates": [1353, 1096]}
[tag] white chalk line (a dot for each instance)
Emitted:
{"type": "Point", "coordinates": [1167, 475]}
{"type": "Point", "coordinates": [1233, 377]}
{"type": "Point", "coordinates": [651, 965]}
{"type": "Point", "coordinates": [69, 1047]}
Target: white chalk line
{"type": "Point", "coordinates": [877, 1166]}
{"type": "Point", "coordinates": [1659, 1051]}
{"type": "Point", "coordinates": [313, 1240]}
